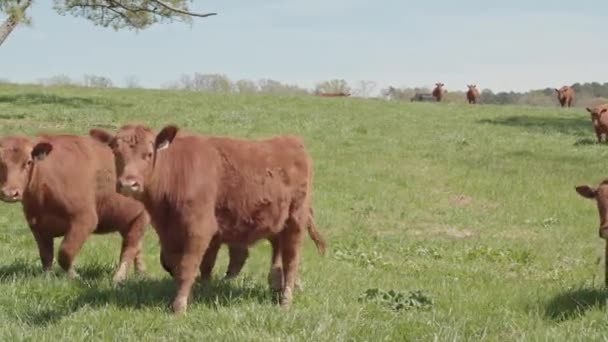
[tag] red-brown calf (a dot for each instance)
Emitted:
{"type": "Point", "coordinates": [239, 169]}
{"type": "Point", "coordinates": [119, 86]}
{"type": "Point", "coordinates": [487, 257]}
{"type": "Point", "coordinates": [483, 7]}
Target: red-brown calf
{"type": "Point", "coordinates": [67, 186]}
{"type": "Point", "coordinates": [204, 190]}
{"type": "Point", "coordinates": [599, 118]}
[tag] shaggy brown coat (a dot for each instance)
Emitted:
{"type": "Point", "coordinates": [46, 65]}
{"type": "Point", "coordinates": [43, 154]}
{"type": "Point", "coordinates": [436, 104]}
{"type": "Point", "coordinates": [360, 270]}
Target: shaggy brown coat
{"type": "Point", "coordinates": [67, 186]}
{"type": "Point", "coordinates": [438, 92]}
{"type": "Point", "coordinates": [204, 190]}
{"type": "Point", "coordinates": [472, 94]}
{"type": "Point", "coordinates": [565, 95]}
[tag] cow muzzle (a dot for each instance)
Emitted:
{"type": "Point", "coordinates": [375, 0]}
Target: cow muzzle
{"type": "Point", "coordinates": [604, 232]}
{"type": "Point", "coordinates": [130, 185]}
{"type": "Point", "coordinates": [10, 195]}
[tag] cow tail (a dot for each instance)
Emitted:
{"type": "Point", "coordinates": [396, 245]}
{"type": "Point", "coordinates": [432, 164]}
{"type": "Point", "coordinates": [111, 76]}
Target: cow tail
{"type": "Point", "coordinates": [314, 233]}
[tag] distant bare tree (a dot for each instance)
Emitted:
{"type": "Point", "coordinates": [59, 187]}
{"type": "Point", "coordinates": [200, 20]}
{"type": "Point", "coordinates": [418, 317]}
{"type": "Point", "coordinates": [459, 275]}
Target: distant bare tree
{"type": "Point", "coordinates": [364, 88]}
{"type": "Point", "coordinates": [132, 82]}
{"type": "Point", "coordinates": [94, 81]}
{"type": "Point", "coordinates": [332, 87]}
{"type": "Point", "coordinates": [57, 80]}
{"type": "Point", "coordinates": [275, 87]}
{"type": "Point", "coordinates": [246, 87]}
{"type": "Point", "coordinates": [213, 83]}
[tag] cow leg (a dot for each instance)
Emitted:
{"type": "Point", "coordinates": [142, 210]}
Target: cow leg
{"type": "Point", "coordinates": [164, 263]}
{"type": "Point", "coordinates": [291, 238]}
{"type": "Point", "coordinates": [238, 255]}
{"type": "Point", "coordinates": [209, 258]}
{"type": "Point", "coordinates": [80, 229]}
{"type": "Point", "coordinates": [131, 246]}
{"type": "Point", "coordinates": [45, 249]}
{"type": "Point", "coordinates": [199, 238]}
{"type": "Point", "coordinates": [275, 276]}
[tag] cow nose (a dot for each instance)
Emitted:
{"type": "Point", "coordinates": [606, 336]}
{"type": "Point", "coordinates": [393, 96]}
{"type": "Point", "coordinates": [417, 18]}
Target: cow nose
{"type": "Point", "coordinates": [129, 183]}
{"type": "Point", "coordinates": [11, 194]}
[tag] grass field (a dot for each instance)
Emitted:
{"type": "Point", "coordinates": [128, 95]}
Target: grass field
{"type": "Point", "coordinates": [444, 222]}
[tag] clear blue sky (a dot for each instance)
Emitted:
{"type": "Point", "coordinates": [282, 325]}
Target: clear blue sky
{"type": "Point", "coordinates": [502, 45]}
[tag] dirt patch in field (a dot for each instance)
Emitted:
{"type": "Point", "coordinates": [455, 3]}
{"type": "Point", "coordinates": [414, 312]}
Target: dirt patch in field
{"type": "Point", "coordinates": [460, 200]}
{"type": "Point", "coordinates": [446, 231]}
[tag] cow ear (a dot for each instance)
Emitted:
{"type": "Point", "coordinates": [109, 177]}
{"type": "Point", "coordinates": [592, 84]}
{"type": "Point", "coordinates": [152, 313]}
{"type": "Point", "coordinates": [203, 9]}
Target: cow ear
{"type": "Point", "coordinates": [589, 110]}
{"type": "Point", "coordinates": [586, 191]}
{"type": "Point", "coordinates": [100, 135]}
{"type": "Point", "coordinates": [165, 137]}
{"type": "Point", "coordinates": [603, 110]}
{"type": "Point", "coordinates": [557, 90]}
{"type": "Point", "coordinates": [41, 150]}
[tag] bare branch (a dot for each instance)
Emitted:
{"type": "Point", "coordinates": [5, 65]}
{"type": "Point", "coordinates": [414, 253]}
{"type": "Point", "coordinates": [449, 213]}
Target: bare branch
{"type": "Point", "coordinates": [180, 11]}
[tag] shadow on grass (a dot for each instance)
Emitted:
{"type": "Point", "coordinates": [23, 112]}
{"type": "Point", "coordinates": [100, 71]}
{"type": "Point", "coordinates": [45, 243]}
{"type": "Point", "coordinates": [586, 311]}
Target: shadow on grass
{"type": "Point", "coordinates": [572, 126]}
{"type": "Point", "coordinates": [12, 116]}
{"type": "Point", "coordinates": [587, 142]}
{"type": "Point", "coordinates": [153, 293]}
{"type": "Point", "coordinates": [32, 99]}
{"type": "Point", "coordinates": [574, 303]}
{"type": "Point", "coordinates": [20, 268]}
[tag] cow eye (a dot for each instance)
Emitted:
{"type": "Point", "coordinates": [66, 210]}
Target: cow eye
{"type": "Point", "coordinates": [148, 155]}
{"type": "Point", "coordinates": [28, 163]}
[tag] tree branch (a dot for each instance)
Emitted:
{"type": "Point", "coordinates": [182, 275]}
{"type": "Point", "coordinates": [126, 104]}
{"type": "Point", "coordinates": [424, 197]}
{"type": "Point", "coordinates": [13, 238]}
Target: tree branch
{"type": "Point", "coordinates": [180, 11]}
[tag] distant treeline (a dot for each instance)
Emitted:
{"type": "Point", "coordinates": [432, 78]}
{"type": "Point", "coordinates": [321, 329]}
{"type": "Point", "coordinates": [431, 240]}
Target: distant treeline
{"type": "Point", "coordinates": [587, 94]}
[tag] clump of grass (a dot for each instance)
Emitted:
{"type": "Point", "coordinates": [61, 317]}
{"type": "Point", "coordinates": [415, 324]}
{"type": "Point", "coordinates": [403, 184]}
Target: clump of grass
{"type": "Point", "coordinates": [397, 300]}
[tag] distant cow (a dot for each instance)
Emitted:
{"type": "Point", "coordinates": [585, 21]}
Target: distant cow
{"type": "Point", "coordinates": [423, 97]}
{"type": "Point", "coordinates": [599, 118]}
{"type": "Point", "coordinates": [67, 186]}
{"type": "Point", "coordinates": [438, 92]}
{"type": "Point", "coordinates": [198, 189]}
{"type": "Point", "coordinates": [472, 94]}
{"type": "Point", "coordinates": [565, 95]}
{"type": "Point", "coordinates": [334, 94]}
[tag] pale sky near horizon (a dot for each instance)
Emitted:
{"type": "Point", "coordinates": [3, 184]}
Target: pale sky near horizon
{"type": "Point", "coordinates": [509, 45]}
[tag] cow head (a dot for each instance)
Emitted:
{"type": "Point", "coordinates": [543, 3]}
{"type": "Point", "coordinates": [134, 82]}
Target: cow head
{"type": "Point", "coordinates": [600, 195]}
{"type": "Point", "coordinates": [597, 112]}
{"type": "Point", "coordinates": [472, 86]}
{"type": "Point", "coordinates": [135, 149]}
{"type": "Point", "coordinates": [17, 158]}
{"type": "Point", "coordinates": [439, 85]}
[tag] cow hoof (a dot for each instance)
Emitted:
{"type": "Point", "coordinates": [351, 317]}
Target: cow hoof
{"type": "Point", "coordinates": [275, 279]}
{"type": "Point", "coordinates": [286, 298]}
{"type": "Point", "coordinates": [72, 274]}
{"type": "Point", "coordinates": [229, 276]}
{"type": "Point", "coordinates": [121, 274]}
{"type": "Point", "coordinates": [180, 305]}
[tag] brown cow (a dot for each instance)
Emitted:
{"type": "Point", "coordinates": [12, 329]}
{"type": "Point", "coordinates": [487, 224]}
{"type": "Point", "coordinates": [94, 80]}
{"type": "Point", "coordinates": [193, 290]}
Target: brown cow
{"type": "Point", "coordinates": [600, 195]}
{"type": "Point", "coordinates": [565, 95]}
{"type": "Point", "coordinates": [201, 190]}
{"type": "Point", "coordinates": [599, 118]}
{"type": "Point", "coordinates": [438, 92]}
{"type": "Point", "coordinates": [472, 94]}
{"type": "Point", "coordinates": [67, 186]}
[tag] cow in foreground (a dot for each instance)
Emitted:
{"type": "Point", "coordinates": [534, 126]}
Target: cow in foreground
{"type": "Point", "coordinates": [204, 190]}
{"type": "Point", "coordinates": [438, 92]}
{"type": "Point", "coordinates": [599, 118]}
{"type": "Point", "coordinates": [67, 187]}
{"type": "Point", "coordinates": [565, 95]}
{"type": "Point", "coordinates": [600, 195]}
{"type": "Point", "coordinates": [472, 94]}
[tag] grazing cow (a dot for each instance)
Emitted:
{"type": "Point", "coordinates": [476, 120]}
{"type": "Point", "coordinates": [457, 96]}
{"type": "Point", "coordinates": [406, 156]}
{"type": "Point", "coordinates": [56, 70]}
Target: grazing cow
{"type": "Point", "coordinates": [438, 92]}
{"type": "Point", "coordinates": [600, 195]}
{"type": "Point", "coordinates": [472, 94]}
{"type": "Point", "coordinates": [67, 186]}
{"type": "Point", "coordinates": [565, 95]}
{"type": "Point", "coordinates": [334, 94]}
{"type": "Point", "coordinates": [203, 190]}
{"type": "Point", "coordinates": [599, 118]}
{"type": "Point", "coordinates": [423, 97]}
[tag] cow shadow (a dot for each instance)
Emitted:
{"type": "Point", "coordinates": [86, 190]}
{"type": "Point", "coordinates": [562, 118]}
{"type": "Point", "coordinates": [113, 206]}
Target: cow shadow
{"type": "Point", "coordinates": [22, 269]}
{"type": "Point", "coordinates": [575, 303]}
{"type": "Point", "coordinates": [146, 293]}
{"type": "Point", "coordinates": [33, 99]}
{"type": "Point", "coordinates": [579, 127]}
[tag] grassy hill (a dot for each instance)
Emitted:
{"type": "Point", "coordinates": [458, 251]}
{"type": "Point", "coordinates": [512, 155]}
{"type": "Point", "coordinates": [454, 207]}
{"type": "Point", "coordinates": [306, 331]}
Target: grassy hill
{"type": "Point", "coordinates": [447, 222]}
